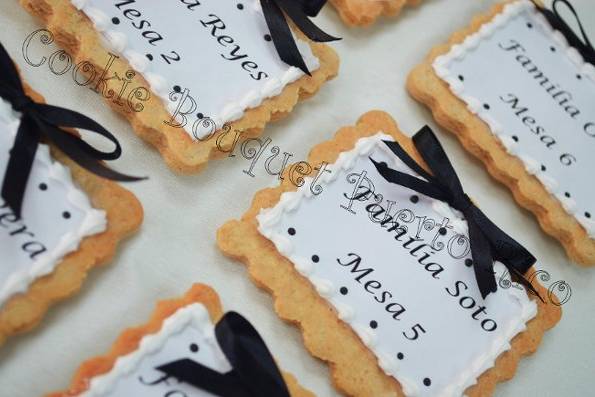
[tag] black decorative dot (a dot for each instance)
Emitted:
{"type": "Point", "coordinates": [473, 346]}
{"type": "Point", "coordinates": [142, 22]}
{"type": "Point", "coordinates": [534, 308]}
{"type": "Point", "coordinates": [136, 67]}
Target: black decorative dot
{"type": "Point", "coordinates": [43, 186]}
{"type": "Point", "coordinates": [240, 6]}
{"type": "Point", "coordinates": [400, 356]}
{"type": "Point", "coordinates": [588, 215]}
{"type": "Point", "coordinates": [66, 215]}
{"type": "Point", "coordinates": [567, 194]}
{"type": "Point", "coordinates": [442, 231]}
{"type": "Point", "coordinates": [461, 77]}
{"type": "Point", "coordinates": [343, 290]}
{"type": "Point", "coordinates": [515, 138]}
{"type": "Point", "coordinates": [291, 231]}
{"type": "Point", "coordinates": [149, 57]}
{"type": "Point", "coordinates": [268, 37]}
{"type": "Point", "coordinates": [115, 21]}
{"type": "Point", "coordinates": [468, 262]}
{"type": "Point", "coordinates": [486, 106]}
{"type": "Point", "coordinates": [193, 347]}
{"type": "Point", "coordinates": [414, 199]}
{"type": "Point", "coordinates": [315, 258]}
{"type": "Point", "coordinates": [529, 25]}
{"type": "Point", "coordinates": [373, 324]}
{"type": "Point", "coordinates": [578, 76]}
{"type": "Point", "coordinates": [543, 167]}
{"type": "Point", "coordinates": [177, 88]}
{"type": "Point", "coordinates": [200, 116]}
{"type": "Point", "coordinates": [427, 381]}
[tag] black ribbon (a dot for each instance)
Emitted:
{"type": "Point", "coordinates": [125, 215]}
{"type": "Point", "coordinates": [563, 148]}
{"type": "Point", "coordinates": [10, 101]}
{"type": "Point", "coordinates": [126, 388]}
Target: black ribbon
{"type": "Point", "coordinates": [299, 12]}
{"type": "Point", "coordinates": [254, 372]}
{"type": "Point", "coordinates": [488, 242]}
{"type": "Point", "coordinates": [584, 47]}
{"type": "Point", "coordinates": [45, 121]}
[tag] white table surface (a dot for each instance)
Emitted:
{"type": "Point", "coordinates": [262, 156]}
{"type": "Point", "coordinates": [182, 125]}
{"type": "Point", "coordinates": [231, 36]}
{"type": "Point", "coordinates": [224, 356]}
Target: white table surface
{"type": "Point", "coordinates": [176, 244]}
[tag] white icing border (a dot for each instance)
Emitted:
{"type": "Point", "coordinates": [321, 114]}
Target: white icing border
{"type": "Point", "coordinates": [195, 315]}
{"type": "Point", "coordinates": [234, 110]}
{"type": "Point", "coordinates": [94, 221]}
{"type": "Point", "coordinates": [458, 51]}
{"type": "Point", "coordinates": [290, 201]}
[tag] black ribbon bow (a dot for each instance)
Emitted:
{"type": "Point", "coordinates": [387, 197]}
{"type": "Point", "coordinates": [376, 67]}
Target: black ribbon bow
{"type": "Point", "coordinates": [299, 12]}
{"type": "Point", "coordinates": [254, 372]}
{"type": "Point", "coordinates": [45, 121]}
{"type": "Point", "coordinates": [584, 47]}
{"type": "Point", "coordinates": [488, 242]}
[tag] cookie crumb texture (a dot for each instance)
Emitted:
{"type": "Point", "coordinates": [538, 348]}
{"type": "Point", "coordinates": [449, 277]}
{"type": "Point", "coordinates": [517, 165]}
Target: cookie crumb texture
{"type": "Point", "coordinates": [75, 33]}
{"type": "Point", "coordinates": [354, 367]}
{"type": "Point", "coordinates": [366, 12]}
{"type": "Point", "coordinates": [130, 339]}
{"type": "Point", "coordinates": [476, 137]}
{"type": "Point", "coordinates": [124, 212]}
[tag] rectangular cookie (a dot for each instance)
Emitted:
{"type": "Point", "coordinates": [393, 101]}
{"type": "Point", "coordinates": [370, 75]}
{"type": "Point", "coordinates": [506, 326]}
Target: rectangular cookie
{"type": "Point", "coordinates": [191, 77]}
{"type": "Point", "coordinates": [71, 222]}
{"type": "Point", "coordinates": [366, 12]}
{"type": "Point", "coordinates": [520, 99]}
{"type": "Point", "coordinates": [382, 284]}
{"type": "Point", "coordinates": [178, 328]}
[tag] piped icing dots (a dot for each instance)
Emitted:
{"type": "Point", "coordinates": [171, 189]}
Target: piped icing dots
{"type": "Point", "coordinates": [345, 281]}
{"type": "Point", "coordinates": [450, 67]}
{"type": "Point", "coordinates": [56, 216]}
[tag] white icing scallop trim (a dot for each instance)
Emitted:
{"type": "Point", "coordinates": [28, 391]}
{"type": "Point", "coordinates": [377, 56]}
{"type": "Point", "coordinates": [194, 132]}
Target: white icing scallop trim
{"type": "Point", "coordinates": [290, 201]}
{"type": "Point", "coordinates": [94, 220]}
{"type": "Point", "coordinates": [235, 108]}
{"type": "Point", "coordinates": [195, 315]}
{"type": "Point", "coordinates": [457, 51]}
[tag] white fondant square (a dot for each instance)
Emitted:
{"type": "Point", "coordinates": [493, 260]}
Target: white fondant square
{"type": "Point", "coordinates": [326, 236]}
{"type": "Point", "coordinates": [219, 50]}
{"type": "Point", "coordinates": [536, 94]}
{"type": "Point", "coordinates": [56, 216]}
{"type": "Point", "coordinates": [188, 333]}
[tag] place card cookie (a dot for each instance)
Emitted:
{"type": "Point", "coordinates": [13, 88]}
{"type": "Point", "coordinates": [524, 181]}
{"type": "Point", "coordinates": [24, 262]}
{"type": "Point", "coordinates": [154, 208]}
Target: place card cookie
{"type": "Point", "coordinates": [521, 99]}
{"type": "Point", "coordinates": [366, 12]}
{"type": "Point", "coordinates": [380, 278]}
{"type": "Point", "coordinates": [191, 77]}
{"type": "Point", "coordinates": [193, 334]}
{"type": "Point", "coordinates": [71, 221]}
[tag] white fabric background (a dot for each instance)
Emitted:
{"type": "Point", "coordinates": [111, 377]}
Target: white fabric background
{"type": "Point", "coordinates": [176, 245]}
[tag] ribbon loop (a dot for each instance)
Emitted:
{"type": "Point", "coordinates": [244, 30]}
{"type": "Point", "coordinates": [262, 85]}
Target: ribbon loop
{"type": "Point", "coordinates": [299, 12]}
{"type": "Point", "coordinates": [555, 19]}
{"type": "Point", "coordinates": [45, 121]}
{"type": "Point", "coordinates": [254, 372]}
{"type": "Point", "coordinates": [488, 242]}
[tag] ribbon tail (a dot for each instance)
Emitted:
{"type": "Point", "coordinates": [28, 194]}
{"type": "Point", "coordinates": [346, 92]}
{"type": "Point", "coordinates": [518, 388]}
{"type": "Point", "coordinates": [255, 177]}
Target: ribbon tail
{"type": "Point", "coordinates": [20, 163]}
{"type": "Point", "coordinates": [300, 18]}
{"type": "Point", "coordinates": [312, 7]}
{"type": "Point", "coordinates": [526, 283]}
{"type": "Point", "coordinates": [517, 259]}
{"type": "Point", "coordinates": [204, 378]}
{"type": "Point", "coordinates": [282, 37]}
{"type": "Point", "coordinates": [249, 356]}
{"type": "Point", "coordinates": [78, 151]}
{"type": "Point", "coordinates": [9, 72]}
{"type": "Point", "coordinates": [483, 262]}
